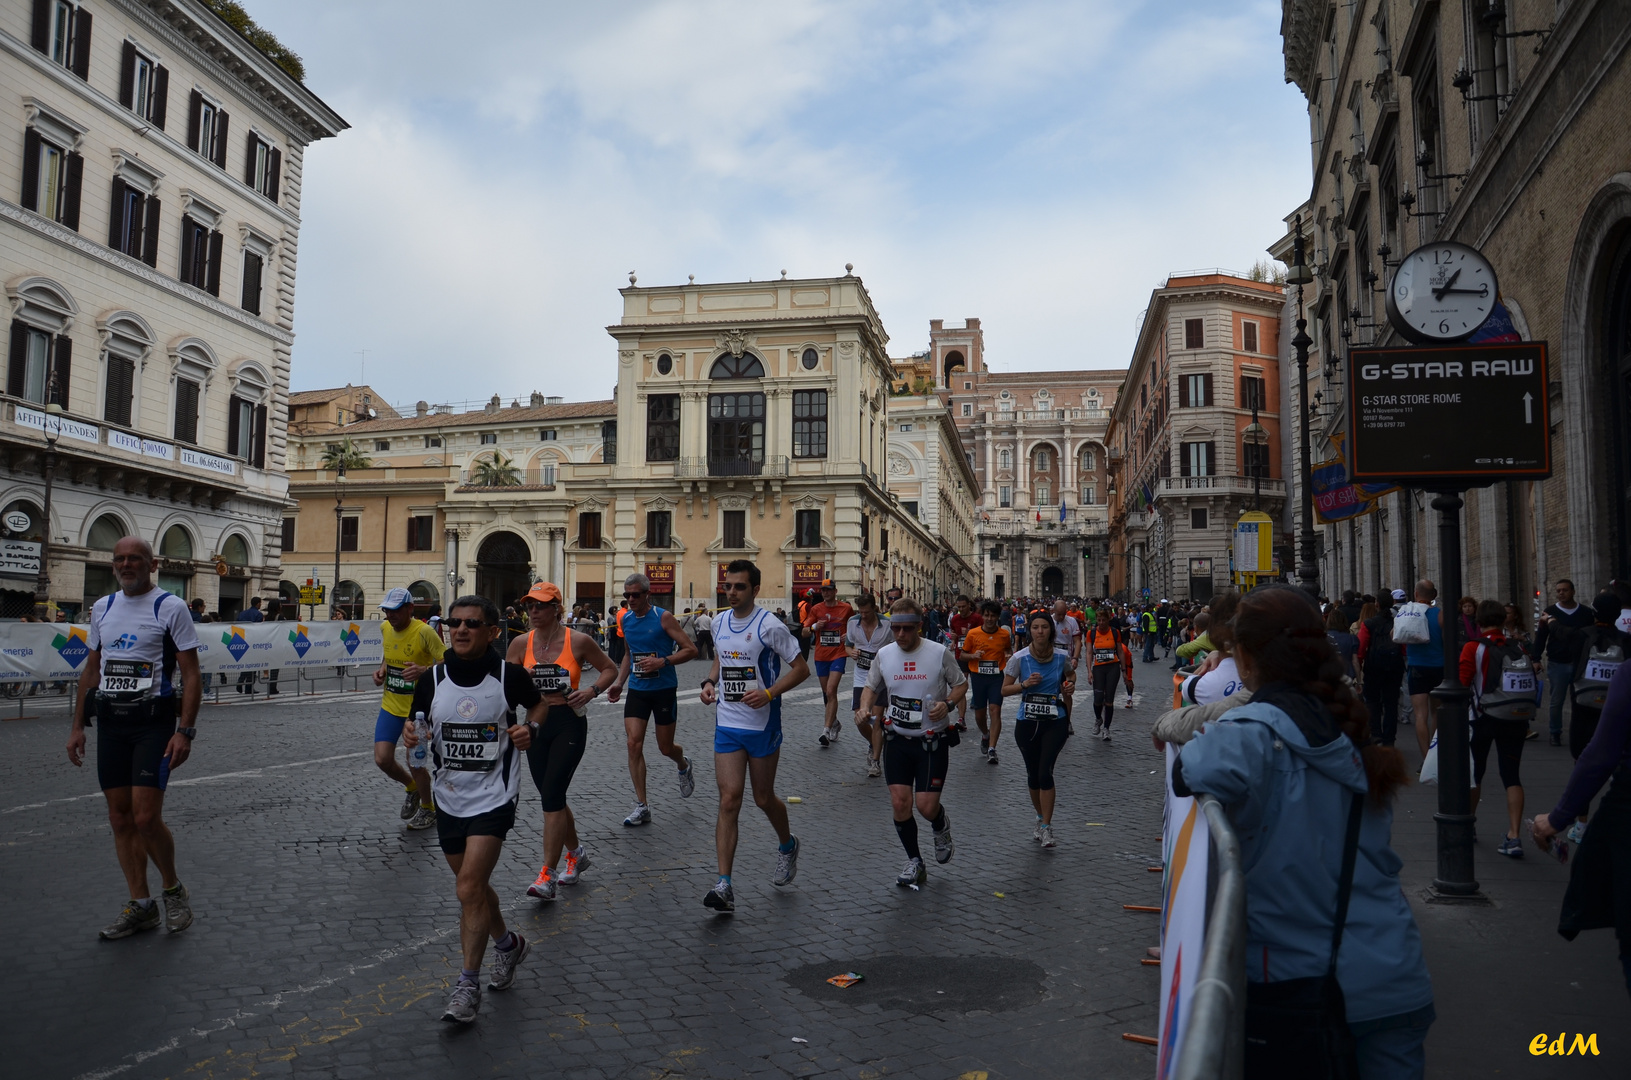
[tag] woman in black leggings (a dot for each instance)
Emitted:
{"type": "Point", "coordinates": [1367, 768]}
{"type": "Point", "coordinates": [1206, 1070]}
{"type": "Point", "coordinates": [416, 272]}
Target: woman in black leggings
{"type": "Point", "coordinates": [1044, 678]}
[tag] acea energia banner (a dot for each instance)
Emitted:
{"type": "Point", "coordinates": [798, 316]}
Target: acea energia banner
{"type": "Point", "coordinates": [55, 652]}
{"type": "Point", "coordinates": [1186, 844]}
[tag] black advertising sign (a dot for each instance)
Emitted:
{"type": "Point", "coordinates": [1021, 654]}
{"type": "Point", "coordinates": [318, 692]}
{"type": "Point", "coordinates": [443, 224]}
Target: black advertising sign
{"type": "Point", "coordinates": [1467, 414]}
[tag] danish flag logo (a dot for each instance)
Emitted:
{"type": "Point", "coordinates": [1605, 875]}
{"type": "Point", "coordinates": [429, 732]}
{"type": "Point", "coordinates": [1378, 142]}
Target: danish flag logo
{"type": "Point", "coordinates": [910, 665]}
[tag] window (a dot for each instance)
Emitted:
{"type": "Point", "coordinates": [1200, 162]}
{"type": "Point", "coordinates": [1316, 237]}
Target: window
{"type": "Point", "coordinates": [1090, 496]}
{"type": "Point", "coordinates": [968, 408]}
{"type": "Point", "coordinates": [608, 441]}
{"type": "Point", "coordinates": [52, 176]}
{"type": "Point", "coordinates": [489, 438]}
{"type": "Point", "coordinates": [736, 434]}
{"type": "Point", "coordinates": [348, 533]}
{"type": "Point", "coordinates": [422, 532]}
{"type": "Point", "coordinates": [433, 442]}
{"type": "Point", "coordinates": [996, 551]}
{"type": "Point", "coordinates": [663, 427]}
{"type": "Point", "coordinates": [253, 263]}
{"type": "Point", "coordinates": [589, 530]}
{"type": "Point", "coordinates": [1194, 333]}
{"type": "Point", "coordinates": [134, 228]}
{"type": "Point", "coordinates": [1196, 391]}
{"type": "Point", "coordinates": [1253, 393]}
{"type": "Point", "coordinates": [1197, 518]}
{"type": "Point", "coordinates": [734, 526]}
{"type": "Point", "coordinates": [186, 420]}
{"type": "Point", "coordinates": [263, 163]}
{"type": "Point", "coordinates": [246, 431]}
{"type": "Point", "coordinates": [1248, 336]}
{"type": "Point", "coordinates": [120, 391]}
{"type": "Point", "coordinates": [1005, 496]}
{"type": "Point", "coordinates": [546, 434]}
{"type": "Point", "coordinates": [810, 359]}
{"type": "Point", "coordinates": [1089, 461]}
{"type": "Point", "coordinates": [968, 384]}
{"type": "Point", "coordinates": [207, 128]}
{"type": "Point", "coordinates": [910, 506]}
{"type": "Point", "coordinates": [906, 427]}
{"type": "Point", "coordinates": [1043, 461]}
{"type": "Point", "coordinates": [1254, 459]}
{"type": "Point", "coordinates": [1198, 459]}
{"type": "Point", "coordinates": [1050, 551]}
{"type": "Point", "coordinates": [144, 86]}
{"type": "Point", "coordinates": [866, 533]}
{"type": "Point", "coordinates": [288, 534]}
{"type": "Point", "coordinates": [665, 364]}
{"type": "Point", "coordinates": [200, 256]}
{"type": "Point", "coordinates": [746, 366]}
{"type": "Point", "coordinates": [1005, 460]}
{"type": "Point", "coordinates": [63, 33]}
{"type": "Point", "coordinates": [659, 528]}
{"type": "Point", "coordinates": [807, 528]}
{"type": "Point", "coordinates": [810, 423]}
{"type": "Point", "coordinates": [382, 445]}
{"type": "Point", "coordinates": [1044, 495]}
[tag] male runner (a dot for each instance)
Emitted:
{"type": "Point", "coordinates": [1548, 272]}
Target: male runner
{"type": "Point", "coordinates": [963, 619]}
{"type": "Point", "coordinates": [913, 685]}
{"type": "Point", "coordinates": [469, 702]}
{"type": "Point", "coordinates": [554, 655]}
{"type": "Point", "coordinates": [656, 646]}
{"type": "Point", "coordinates": [824, 624]}
{"type": "Point", "coordinates": [139, 636]}
{"type": "Point", "coordinates": [747, 682]}
{"type": "Point", "coordinates": [411, 647]}
{"type": "Point", "coordinates": [864, 636]}
{"type": "Point", "coordinates": [986, 649]}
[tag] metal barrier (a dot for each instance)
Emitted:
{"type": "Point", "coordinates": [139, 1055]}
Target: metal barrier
{"type": "Point", "coordinates": [1214, 1043]}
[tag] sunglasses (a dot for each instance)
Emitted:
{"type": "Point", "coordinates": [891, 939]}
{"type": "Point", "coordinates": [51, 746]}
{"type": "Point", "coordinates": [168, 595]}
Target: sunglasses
{"type": "Point", "coordinates": [733, 586]}
{"type": "Point", "coordinates": [474, 624]}
{"type": "Point", "coordinates": [632, 595]}
{"type": "Point", "coordinates": [908, 626]}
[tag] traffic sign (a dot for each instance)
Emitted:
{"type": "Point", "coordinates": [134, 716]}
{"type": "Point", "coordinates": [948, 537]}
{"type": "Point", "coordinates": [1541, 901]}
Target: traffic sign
{"type": "Point", "coordinates": [1461, 414]}
{"type": "Point", "coordinates": [313, 594]}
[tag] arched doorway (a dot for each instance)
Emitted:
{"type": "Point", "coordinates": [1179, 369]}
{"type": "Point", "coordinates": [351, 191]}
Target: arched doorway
{"type": "Point", "coordinates": [425, 597]}
{"type": "Point", "coordinates": [175, 562]}
{"type": "Point", "coordinates": [954, 363]}
{"type": "Point", "coordinates": [503, 568]}
{"type": "Point", "coordinates": [233, 595]}
{"type": "Point", "coordinates": [348, 600]}
{"type": "Point", "coordinates": [17, 587]}
{"type": "Point", "coordinates": [1617, 368]}
{"type": "Point", "coordinates": [1053, 582]}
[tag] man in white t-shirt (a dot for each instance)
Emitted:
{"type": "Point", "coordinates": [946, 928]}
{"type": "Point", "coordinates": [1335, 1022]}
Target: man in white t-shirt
{"type": "Point", "coordinates": [913, 686]}
{"type": "Point", "coordinates": [747, 681]}
{"type": "Point", "coordinates": [1067, 633]}
{"type": "Point", "coordinates": [705, 634]}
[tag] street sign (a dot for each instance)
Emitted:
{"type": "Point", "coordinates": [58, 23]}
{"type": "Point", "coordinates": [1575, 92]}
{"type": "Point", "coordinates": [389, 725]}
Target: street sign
{"type": "Point", "coordinates": [313, 594]}
{"type": "Point", "coordinates": [1461, 414]}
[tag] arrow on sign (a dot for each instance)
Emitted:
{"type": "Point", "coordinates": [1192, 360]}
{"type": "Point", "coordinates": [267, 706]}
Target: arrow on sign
{"type": "Point", "coordinates": [1528, 401]}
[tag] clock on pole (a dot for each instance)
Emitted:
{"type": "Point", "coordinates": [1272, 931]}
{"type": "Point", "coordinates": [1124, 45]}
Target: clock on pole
{"type": "Point", "coordinates": [1441, 293]}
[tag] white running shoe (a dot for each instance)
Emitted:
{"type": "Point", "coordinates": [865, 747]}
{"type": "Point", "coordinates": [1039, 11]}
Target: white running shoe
{"type": "Point", "coordinates": [943, 846]}
{"type": "Point", "coordinates": [464, 1003]}
{"type": "Point", "coordinates": [787, 864]}
{"type": "Point", "coordinates": [1037, 835]}
{"type": "Point", "coordinates": [1045, 836]}
{"type": "Point", "coordinates": [914, 873]}
{"type": "Point", "coordinates": [505, 963]}
{"type": "Point", "coordinates": [688, 782]}
{"type": "Point", "coordinates": [576, 863]}
{"type": "Point", "coordinates": [640, 815]}
{"type": "Point", "coordinates": [874, 767]}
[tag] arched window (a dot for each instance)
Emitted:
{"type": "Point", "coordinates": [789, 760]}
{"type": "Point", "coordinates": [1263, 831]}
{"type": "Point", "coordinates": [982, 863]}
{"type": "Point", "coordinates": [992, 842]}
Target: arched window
{"type": "Point", "coordinates": [424, 596]}
{"type": "Point", "coordinates": [1089, 461]}
{"type": "Point", "coordinates": [33, 529]}
{"type": "Point", "coordinates": [1042, 461]}
{"type": "Point", "coordinates": [106, 531]}
{"type": "Point", "coordinates": [234, 551]}
{"type": "Point", "coordinates": [348, 599]}
{"type": "Point", "coordinates": [746, 366]}
{"type": "Point", "coordinates": [1005, 460]}
{"type": "Point", "coordinates": [177, 544]}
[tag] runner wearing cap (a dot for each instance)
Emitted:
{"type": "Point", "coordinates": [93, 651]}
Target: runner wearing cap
{"type": "Point", "coordinates": [411, 649]}
{"type": "Point", "coordinates": [656, 646]}
{"type": "Point", "coordinates": [554, 655]}
{"type": "Point", "coordinates": [824, 624]}
{"type": "Point", "coordinates": [865, 635]}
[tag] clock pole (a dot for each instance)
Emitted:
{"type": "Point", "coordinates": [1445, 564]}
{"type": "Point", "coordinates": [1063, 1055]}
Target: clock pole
{"type": "Point", "coordinates": [1308, 571]}
{"type": "Point", "coordinates": [1454, 819]}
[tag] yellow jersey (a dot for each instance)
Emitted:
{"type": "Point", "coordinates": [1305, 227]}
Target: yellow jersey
{"type": "Point", "coordinates": [418, 644]}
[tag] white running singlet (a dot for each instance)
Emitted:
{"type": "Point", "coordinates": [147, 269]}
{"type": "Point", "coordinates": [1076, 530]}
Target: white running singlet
{"type": "Point", "coordinates": [866, 648]}
{"type": "Point", "coordinates": [476, 768]}
{"type": "Point", "coordinates": [751, 653]}
{"type": "Point", "coordinates": [906, 684]}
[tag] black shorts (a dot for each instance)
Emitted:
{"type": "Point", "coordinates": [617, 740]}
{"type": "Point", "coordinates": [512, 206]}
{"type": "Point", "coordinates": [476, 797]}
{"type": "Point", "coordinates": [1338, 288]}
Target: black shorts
{"type": "Point", "coordinates": [908, 762]}
{"type": "Point", "coordinates": [1423, 679]}
{"type": "Point", "coordinates": [452, 831]}
{"type": "Point", "coordinates": [131, 753]}
{"type": "Point", "coordinates": [554, 754]}
{"type": "Point", "coordinates": [855, 698]}
{"type": "Point", "coordinates": [658, 705]}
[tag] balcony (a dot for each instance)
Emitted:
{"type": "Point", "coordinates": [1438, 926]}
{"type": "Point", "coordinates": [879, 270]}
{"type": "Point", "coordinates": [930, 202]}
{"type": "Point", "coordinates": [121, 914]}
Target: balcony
{"type": "Point", "coordinates": [695, 468]}
{"type": "Point", "coordinates": [1183, 485]}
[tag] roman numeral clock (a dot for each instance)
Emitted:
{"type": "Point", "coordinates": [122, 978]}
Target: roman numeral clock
{"type": "Point", "coordinates": [1441, 293]}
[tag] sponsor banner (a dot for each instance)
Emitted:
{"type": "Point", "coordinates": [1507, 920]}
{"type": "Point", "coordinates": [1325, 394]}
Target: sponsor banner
{"type": "Point", "coordinates": [68, 429]}
{"type": "Point", "coordinates": [661, 575]}
{"type": "Point", "coordinates": [51, 652]}
{"type": "Point", "coordinates": [1186, 844]}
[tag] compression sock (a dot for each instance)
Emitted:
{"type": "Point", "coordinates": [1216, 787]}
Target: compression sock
{"type": "Point", "coordinates": [724, 879]}
{"type": "Point", "coordinates": [505, 943]}
{"type": "Point", "coordinates": [907, 831]}
{"type": "Point", "coordinates": [939, 822]}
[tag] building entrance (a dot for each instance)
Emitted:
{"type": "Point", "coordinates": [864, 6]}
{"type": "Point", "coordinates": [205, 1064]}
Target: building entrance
{"type": "Point", "coordinates": [503, 568]}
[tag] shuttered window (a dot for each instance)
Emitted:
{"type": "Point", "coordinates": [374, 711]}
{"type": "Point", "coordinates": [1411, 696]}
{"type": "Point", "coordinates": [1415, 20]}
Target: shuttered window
{"type": "Point", "coordinates": [659, 528]}
{"type": "Point", "coordinates": [1199, 459]}
{"type": "Point", "coordinates": [144, 86]}
{"type": "Point", "coordinates": [200, 256]}
{"type": "Point", "coordinates": [263, 162]}
{"type": "Point", "coordinates": [52, 178]}
{"type": "Point", "coordinates": [1195, 391]}
{"type": "Point", "coordinates": [734, 527]}
{"type": "Point", "coordinates": [252, 283]}
{"type": "Point", "coordinates": [348, 533]}
{"type": "Point", "coordinates": [1248, 336]}
{"type": "Point", "coordinates": [1194, 333]}
{"type": "Point", "coordinates": [589, 530]}
{"type": "Point", "coordinates": [62, 32]}
{"type": "Point", "coordinates": [186, 425]}
{"type": "Point", "coordinates": [207, 128]}
{"type": "Point", "coordinates": [120, 391]}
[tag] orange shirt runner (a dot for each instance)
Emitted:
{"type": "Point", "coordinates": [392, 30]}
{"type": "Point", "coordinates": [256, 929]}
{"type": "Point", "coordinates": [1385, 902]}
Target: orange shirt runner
{"type": "Point", "coordinates": [829, 639]}
{"type": "Point", "coordinates": [985, 653]}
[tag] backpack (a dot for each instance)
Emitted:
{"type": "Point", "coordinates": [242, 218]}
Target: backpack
{"type": "Point", "coordinates": [1383, 653]}
{"type": "Point", "coordinates": [1601, 657]}
{"type": "Point", "coordinates": [1410, 625]}
{"type": "Point", "coordinates": [1508, 690]}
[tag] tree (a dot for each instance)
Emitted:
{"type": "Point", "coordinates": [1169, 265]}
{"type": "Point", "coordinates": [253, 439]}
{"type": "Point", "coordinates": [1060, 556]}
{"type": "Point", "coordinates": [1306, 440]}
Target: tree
{"type": "Point", "coordinates": [345, 454]}
{"type": "Point", "coordinates": [496, 471]}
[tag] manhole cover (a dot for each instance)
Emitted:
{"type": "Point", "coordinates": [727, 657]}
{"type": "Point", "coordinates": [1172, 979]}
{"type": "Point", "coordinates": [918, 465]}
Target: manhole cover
{"type": "Point", "coordinates": [925, 984]}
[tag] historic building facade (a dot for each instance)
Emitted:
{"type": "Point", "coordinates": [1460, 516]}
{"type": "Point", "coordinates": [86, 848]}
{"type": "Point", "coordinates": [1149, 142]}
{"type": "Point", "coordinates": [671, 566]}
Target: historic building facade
{"type": "Point", "coordinates": [931, 474]}
{"type": "Point", "coordinates": [150, 183]}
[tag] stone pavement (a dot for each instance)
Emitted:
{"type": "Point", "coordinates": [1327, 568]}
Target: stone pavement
{"type": "Point", "coordinates": [326, 935]}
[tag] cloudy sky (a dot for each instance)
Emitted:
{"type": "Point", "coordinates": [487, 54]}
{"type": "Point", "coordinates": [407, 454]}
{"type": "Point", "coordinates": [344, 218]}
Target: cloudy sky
{"type": "Point", "coordinates": [1039, 165]}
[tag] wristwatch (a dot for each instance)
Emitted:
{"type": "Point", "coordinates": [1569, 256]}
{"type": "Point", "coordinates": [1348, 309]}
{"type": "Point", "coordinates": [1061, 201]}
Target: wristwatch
{"type": "Point", "coordinates": [706, 682]}
{"type": "Point", "coordinates": [190, 732]}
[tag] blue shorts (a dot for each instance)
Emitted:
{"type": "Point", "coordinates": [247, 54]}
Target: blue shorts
{"type": "Point", "coordinates": [758, 744]}
{"type": "Point", "coordinates": [388, 728]}
{"type": "Point", "coordinates": [986, 690]}
{"type": "Point", "coordinates": [827, 667]}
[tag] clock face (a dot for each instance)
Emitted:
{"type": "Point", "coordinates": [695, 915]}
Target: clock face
{"type": "Point", "coordinates": [1441, 292]}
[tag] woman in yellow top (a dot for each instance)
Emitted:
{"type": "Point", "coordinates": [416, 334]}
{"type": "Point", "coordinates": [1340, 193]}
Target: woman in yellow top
{"type": "Point", "coordinates": [411, 649]}
{"type": "Point", "coordinates": [986, 649]}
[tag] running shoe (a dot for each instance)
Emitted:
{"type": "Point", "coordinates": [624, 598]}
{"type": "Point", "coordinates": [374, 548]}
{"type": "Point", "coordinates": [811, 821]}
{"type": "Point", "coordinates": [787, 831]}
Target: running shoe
{"type": "Point", "coordinates": [1557, 740]}
{"type": "Point", "coordinates": [991, 756]}
{"type": "Point", "coordinates": [464, 1004]}
{"type": "Point", "coordinates": [133, 919]}
{"type": "Point", "coordinates": [1037, 835]}
{"type": "Point", "coordinates": [688, 781]}
{"type": "Point", "coordinates": [505, 962]}
{"type": "Point", "coordinates": [787, 864]}
{"type": "Point", "coordinates": [1106, 735]}
{"type": "Point", "coordinates": [1531, 734]}
{"type": "Point", "coordinates": [874, 767]}
{"type": "Point", "coordinates": [1576, 833]}
{"type": "Point", "coordinates": [544, 887]}
{"type": "Point", "coordinates": [178, 913]}
{"type": "Point", "coordinates": [822, 738]}
{"type": "Point", "coordinates": [985, 744]}
{"type": "Point", "coordinates": [410, 804]}
{"type": "Point", "coordinates": [423, 818]}
{"type": "Point", "coordinates": [1045, 836]}
{"type": "Point", "coordinates": [640, 815]}
{"type": "Point", "coordinates": [1511, 847]}
{"type": "Point", "coordinates": [943, 846]}
{"type": "Point", "coordinates": [914, 873]}
{"type": "Point", "coordinates": [721, 897]}
{"type": "Point", "coordinates": [1098, 727]}
{"type": "Point", "coordinates": [576, 863]}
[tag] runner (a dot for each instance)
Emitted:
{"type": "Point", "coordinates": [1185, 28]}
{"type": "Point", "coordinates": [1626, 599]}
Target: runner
{"type": "Point", "coordinates": [148, 634]}
{"type": "Point", "coordinates": [747, 682]}
{"type": "Point", "coordinates": [411, 647]}
{"type": "Point", "coordinates": [824, 624]}
{"type": "Point", "coordinates": [914, 684]}
{"type": "Point", "coordinates": [963, 619]}
{"type": "Point", "coordinates": [1041, 675]}
{"type": "Point", "coordinates": [1500, 673]}
{"type": "Point", "coordinates": [468, 702]}
{"type": "Point", "coordinates": [656, 646]}
{"type": "Point", "coordinates": [986, 649]}
{"type": "Point", "coordinates": [553, 656]}
{"type": "Point", "coordinates": [864, 636]}
{"type": "Point", "coordinates": [1110, 655]}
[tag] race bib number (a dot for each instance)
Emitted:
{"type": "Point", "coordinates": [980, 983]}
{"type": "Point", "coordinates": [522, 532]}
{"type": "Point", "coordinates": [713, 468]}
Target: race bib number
{"type": "Point", "coordinates": [470, 747]}
{"type": "Point", "coordinates": [551, 679]}
{"type": "Point", "coordinates": [830, 638]}
{"type": "Point", "coordinates": [1517, 682]}
{"type": "Point", "coordinates": [398, 683]}
{"type": "Point", "coordinates": [735, 682]}
{"type": "Point", "coordinates": [990, 667]}
{"type": "Point", "coordinates": [127, 678]}
{"type": "Point", "coordinates": [863, 659]}
{"type": "Point", "coordinates": [634, 662]}
{"type": "Point", "coordinates": [1040, 706]}
{"type": "Point", "coordinates": [1601, 670]}
{"type": "Point", "coordinates": [1104, 656]}
{"type": "Point", "coordinates": [905, 712]}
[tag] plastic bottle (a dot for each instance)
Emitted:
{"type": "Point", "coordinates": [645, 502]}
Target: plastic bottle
{"type": "Point", "coordinates": [419, 756]}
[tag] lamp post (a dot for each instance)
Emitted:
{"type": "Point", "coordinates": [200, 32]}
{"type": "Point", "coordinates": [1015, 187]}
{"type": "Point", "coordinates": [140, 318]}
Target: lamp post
{"type": "Point", "coordinates": [1298, 275]}
{"type": "Point", "coordinates": [334, 589]}
{"type": "Point", "coordinates": [53, 431]}
{"type": "Point", "coordinates": [1256, 435]}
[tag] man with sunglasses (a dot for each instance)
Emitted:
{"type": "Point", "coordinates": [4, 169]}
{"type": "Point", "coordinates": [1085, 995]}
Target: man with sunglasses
{"type": "Point", "coordinates": [469, 702]}
{"type": "Point", "coordinates": [747, 682]}
{"type": "Point", "coordinates": [824, 625]}
{"type": "Point", "coordinates": [656, 646]}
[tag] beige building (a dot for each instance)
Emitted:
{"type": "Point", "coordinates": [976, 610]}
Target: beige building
{"type": "Point", "coordinates": [150, 183]}
{"type": "Point", "coordinates": [931, 474]}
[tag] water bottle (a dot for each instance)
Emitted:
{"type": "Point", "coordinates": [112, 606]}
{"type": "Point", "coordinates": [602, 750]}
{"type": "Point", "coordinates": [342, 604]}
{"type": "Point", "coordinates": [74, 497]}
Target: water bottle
{"type": "Point", "coordinates": [419, 756]}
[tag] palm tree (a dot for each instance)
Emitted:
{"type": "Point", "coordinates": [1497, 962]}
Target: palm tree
{"type": "Point", "coordinates": [497, 471]}
{"type": "Point", "coordinates": [347, 455]}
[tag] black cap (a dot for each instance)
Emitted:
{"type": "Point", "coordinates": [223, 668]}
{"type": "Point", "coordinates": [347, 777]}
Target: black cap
{"type": "Point", "coordinates": [1607, 607]}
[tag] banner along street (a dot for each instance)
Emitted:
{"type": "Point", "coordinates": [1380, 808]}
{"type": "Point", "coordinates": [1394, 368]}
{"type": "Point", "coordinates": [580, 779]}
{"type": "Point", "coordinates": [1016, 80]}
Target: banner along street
{"type": "Point", "coordinates": [1468, 413]}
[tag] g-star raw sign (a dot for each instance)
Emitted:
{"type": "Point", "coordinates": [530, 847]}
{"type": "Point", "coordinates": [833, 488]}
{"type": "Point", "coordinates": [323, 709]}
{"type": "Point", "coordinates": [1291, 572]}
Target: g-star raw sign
{"type": "Point", "coordinates": [1472, 414]}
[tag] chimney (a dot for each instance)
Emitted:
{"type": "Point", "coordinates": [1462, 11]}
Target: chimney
{"type": "Point", "coordinates": [553, 400]}
{"type": "Point", "coordinates": [421, 408]}
{"type": "Point", "coordinates": [537, 399]}
{"type": "Point", "coordinates": [493, 405]}
{"type": "Point", "coordinates": [936, 325]}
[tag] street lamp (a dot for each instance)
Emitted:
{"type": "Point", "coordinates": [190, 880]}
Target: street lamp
{"type": "Point", "coordinates": [53, 431]}
{"type": "Point", "coordinates": [334, 588]}
{"type": "Point", "coordinates": [1256, 435]}
{"type": "Point", "coordinates": [1308, 573]}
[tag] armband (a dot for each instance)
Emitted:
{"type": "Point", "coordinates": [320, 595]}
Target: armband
{"type": "Point", "coordinates": [706, 682]}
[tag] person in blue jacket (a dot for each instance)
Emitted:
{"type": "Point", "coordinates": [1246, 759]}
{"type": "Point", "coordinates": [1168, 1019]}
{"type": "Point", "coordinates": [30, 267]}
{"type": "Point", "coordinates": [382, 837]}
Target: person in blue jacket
{"type": "Point", "coordinates": [1286, 766]}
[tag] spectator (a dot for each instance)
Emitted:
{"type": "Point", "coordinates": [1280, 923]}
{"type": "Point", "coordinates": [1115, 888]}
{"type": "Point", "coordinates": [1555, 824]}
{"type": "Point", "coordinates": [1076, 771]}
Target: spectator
{"type": "Point", "coordinates": [1382, 667]}
{"type": "Point", "coordinates": [1557, 637]}
{"type": "Point", "coordinates": [705, 634]}
{"type": "Point", "coordinates": [1343, 641]}
{"type": "Point", "coordinates": [251, 614]}
{"type": "Point", "coordinates": [196, 609]}
{"type": "Point", "coordinates": [1424, 666]}
{"type": "Point", "coordinates": [1468, 607]}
